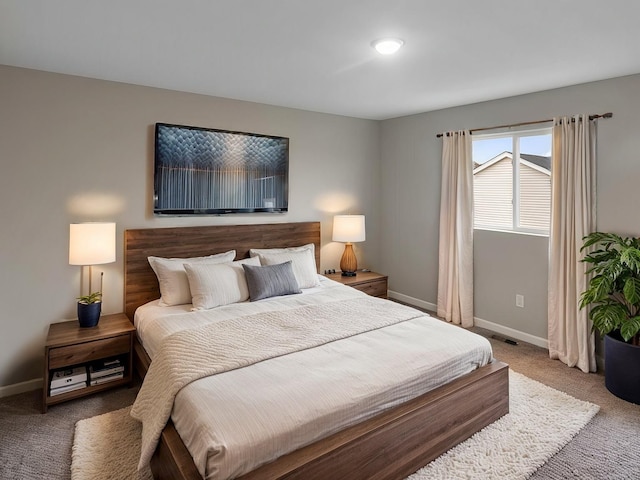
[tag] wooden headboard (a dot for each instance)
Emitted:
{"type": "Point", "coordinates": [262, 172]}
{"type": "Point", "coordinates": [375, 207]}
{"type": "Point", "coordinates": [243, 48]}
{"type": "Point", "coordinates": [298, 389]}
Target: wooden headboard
{"type": "Point", "coordinates": [140, 282]}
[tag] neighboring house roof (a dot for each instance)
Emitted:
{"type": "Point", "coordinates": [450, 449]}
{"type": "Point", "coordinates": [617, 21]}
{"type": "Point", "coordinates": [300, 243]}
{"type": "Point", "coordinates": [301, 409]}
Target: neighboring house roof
{"type": "Point", "coordinates": [544, 162]}
{"type": "Point", "coordinates": [538, 162]}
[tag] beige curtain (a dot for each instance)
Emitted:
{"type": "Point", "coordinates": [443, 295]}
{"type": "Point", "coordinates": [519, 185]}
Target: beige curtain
{"type": "Point", "coordinates": [455, 267]}
{"type": "Point", "coordinates": [573, 194]}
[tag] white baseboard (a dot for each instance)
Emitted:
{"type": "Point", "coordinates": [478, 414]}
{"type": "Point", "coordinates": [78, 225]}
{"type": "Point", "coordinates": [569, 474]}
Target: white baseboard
{"type": "Point", "coordinates": [494, 327]}
{"type": "Point", "coordinates": [21, 387]}
{"type": "Point", "coordinates": [416, 302]}
{"type": "Point", "coordinates": [511, 333]}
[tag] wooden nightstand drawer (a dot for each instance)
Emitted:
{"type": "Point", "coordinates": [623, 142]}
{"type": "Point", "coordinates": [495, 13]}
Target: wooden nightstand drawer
{"type": "Point", "coordinates": [376, 288]}
{"type": "Point", "coordinates": [371, 283]}
{"type": "Point", "coordinates": [89, 351]}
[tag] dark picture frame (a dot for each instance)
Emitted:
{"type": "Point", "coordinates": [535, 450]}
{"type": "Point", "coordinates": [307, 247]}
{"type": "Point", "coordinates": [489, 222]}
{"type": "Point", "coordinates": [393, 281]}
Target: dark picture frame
{"type": "Point", "coordinates": [205, 171]}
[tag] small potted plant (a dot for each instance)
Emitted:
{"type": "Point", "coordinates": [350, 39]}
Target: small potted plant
{"type": "Point", "coordinates": [89, 307]}
{"type": "Point", "coordinates": [613, 294]}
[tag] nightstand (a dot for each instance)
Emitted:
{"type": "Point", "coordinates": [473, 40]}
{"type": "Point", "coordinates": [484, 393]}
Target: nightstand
{"type": "Point", "coordinates": [69, 345]}
{"type": "Point", "coordinates": [371, 283]}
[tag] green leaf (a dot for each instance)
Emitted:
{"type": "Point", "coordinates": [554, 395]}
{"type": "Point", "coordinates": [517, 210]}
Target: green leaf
{"type": "Point", "coordinates": [631, 290]}
{"type": "Point", "coordinates": [631, 258]}
{"type": "Point", "coordinates": [600, 259]}
{"type": "Point", "coordinates": [616, 273]}
{"type": "Point", "coordinates": [602, 286]}
{"type": "Point", "coordinates": [608, 317]}
{"type": "Point", "coordinates": [630, 328]}
{"type": "Point", "coordinates": [94, 297]}
{"type": "Point", "coordinates": [605, 239]}
{"type": "Point", "coordinates": [586, 298]}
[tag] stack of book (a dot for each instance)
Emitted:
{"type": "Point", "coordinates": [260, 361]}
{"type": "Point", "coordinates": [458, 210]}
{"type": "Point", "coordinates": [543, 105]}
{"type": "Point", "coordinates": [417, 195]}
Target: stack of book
{"type": "Point", "coordinates": [68, 380]}
{"type": "Point", "coordinates": [105, 371]}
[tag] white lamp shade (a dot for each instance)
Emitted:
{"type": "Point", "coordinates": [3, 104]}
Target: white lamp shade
{"type": "Point", "coordinates": [348, 228]}
{"type": "Point", "coordinates": [92, 243]}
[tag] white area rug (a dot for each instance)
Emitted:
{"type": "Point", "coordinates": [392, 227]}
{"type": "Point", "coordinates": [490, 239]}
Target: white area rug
{"type": "Point", "coordinates": [541, 421]}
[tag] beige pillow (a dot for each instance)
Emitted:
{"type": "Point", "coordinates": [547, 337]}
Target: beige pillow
{"type": "Point", "coordinates": [302, 261]}
{"type": "Point", "coordinates": [214, 285]}
{"type": "Point", "coordinates": [254, 252]}
{"type": "Point", "coordinates": [172, 278]}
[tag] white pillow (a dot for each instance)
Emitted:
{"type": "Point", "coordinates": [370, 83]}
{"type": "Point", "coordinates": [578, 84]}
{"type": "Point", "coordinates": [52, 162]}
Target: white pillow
{"type": "Point", "coordinates": [303, 263]}
{"type": "Point", "coordinates": [254, 252]}
{"type": "Point", "coordinates": [213, 285]}
{"type": "Point", "coordinates": [172, 278]}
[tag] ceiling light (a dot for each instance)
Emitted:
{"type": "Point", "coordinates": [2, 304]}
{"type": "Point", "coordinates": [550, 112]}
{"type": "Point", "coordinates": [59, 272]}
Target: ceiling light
{"type": "Point", "coordinates": [387, 46]}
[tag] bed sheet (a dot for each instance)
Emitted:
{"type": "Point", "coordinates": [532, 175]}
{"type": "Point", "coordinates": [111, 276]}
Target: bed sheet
{"type": "Point", "coordinates": [235, 421]}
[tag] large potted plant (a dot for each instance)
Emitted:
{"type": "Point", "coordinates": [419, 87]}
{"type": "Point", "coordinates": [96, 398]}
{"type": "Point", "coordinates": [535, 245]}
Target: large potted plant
{"type": "Point", "coordinates": [614, 297]}
{"type": "Point", "coordinates": [89, 308]}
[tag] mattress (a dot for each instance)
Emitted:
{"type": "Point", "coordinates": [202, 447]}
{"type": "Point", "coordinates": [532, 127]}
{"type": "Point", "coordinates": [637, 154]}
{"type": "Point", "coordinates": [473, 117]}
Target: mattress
{"type": "Point", "coordinates": [235, 421]}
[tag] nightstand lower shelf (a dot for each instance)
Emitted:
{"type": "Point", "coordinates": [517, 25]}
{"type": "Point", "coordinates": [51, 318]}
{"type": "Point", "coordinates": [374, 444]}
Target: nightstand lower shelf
{"type": "Point", "coordinates": [90, 390]}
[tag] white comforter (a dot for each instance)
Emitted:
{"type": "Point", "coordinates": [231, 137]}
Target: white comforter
{"type": "Point", "coordinates": [234, 421]}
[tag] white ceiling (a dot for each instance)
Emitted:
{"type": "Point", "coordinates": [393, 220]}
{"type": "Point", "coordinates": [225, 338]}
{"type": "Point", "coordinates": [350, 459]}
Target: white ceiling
{"type": "Point", "coordinates": [316, 54]}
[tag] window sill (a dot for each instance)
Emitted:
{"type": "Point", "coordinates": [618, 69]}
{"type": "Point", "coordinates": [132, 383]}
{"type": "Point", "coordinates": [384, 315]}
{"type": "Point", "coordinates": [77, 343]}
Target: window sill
{"type": "Point", "coordinates": [516, 232]}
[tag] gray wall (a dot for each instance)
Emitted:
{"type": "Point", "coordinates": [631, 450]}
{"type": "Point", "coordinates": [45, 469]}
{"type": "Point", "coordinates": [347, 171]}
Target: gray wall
{"type": "Point", "coordinates": [505, 264]}
{"type": "Point", "coordinates": [74, 149]}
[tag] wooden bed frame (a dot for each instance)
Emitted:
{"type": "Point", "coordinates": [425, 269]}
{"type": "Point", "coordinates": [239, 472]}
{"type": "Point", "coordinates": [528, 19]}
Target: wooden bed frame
{"type": "Point", "coordinates": [391, 445]}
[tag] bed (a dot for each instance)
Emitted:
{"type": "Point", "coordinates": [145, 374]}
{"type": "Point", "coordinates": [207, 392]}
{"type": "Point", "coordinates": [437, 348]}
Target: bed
{"type": "Point", "coordinates": [390, 444]}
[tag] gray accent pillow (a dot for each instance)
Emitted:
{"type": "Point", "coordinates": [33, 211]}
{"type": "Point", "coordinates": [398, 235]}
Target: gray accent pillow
{"type": "Point", "coordinates": [270, 280]}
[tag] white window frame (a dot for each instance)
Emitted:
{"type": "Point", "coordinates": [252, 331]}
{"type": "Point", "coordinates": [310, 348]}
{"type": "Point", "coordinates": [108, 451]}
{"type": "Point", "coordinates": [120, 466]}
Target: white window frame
{"type": "Point", "coordinates": [515, 198]}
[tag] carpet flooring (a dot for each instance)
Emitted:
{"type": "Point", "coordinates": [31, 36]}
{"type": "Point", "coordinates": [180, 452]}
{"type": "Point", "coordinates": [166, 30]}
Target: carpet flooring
{"type": "Point", "coordinates": [37, 446]}
{"type": "Point", "coordinates": [541, 420]}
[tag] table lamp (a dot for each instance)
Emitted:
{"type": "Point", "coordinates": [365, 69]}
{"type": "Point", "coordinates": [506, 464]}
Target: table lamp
{"type": "Point", "coordinates": [91, 244]}
{"type": "Point", "coordinates": [349, 229]}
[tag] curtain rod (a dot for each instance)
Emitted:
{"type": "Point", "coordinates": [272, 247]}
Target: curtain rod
{"type": "Point", "coordinates": [591, 117]}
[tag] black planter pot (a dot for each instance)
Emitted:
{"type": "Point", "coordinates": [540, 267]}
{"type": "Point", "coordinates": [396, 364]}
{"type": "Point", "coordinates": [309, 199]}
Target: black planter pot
{"type": "Point", "coordinates": [89, 314]}
{"type": "Point", "coordinates": [622, 368]}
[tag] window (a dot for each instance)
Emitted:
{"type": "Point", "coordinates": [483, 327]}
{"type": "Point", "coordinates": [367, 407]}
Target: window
{"type": "Point", "coordinates": [512, 195]}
